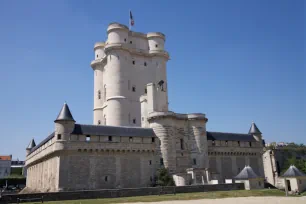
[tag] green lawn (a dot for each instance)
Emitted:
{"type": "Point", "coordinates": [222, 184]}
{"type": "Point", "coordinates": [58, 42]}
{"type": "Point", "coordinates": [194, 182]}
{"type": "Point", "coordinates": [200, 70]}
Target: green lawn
{"type": "Point", "coordinates": [182, 196]}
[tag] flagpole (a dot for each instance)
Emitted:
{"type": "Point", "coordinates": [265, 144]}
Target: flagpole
{"type": "Point", "coordinates": [130, 20]}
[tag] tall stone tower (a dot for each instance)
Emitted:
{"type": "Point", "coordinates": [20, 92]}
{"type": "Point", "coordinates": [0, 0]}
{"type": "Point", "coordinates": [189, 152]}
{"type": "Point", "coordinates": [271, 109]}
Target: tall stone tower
{"type": "Point", "coordinates": [123, 66]}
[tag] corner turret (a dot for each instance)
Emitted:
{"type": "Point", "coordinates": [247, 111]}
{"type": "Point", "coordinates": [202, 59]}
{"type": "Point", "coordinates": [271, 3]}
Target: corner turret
{"type": "Point", "coordinates": [255, 132]}
{"type": "Point", "coordinates": [64, 123]}
{"type": "Point", "coordinates": [30, 146]}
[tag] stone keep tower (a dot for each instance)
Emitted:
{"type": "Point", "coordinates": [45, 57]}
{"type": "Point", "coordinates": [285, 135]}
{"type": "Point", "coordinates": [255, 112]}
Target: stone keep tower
{"type": "Point", "coordinates": [123, 66]}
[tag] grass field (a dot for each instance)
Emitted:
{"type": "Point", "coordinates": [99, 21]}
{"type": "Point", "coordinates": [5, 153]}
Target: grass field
{"type": "Point", "coordinates": [182, 196]}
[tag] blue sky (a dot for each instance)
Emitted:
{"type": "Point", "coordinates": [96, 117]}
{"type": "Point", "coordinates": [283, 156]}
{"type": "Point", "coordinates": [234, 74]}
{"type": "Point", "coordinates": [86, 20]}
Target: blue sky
{"type": "Point", "coordinates": [237, 61]}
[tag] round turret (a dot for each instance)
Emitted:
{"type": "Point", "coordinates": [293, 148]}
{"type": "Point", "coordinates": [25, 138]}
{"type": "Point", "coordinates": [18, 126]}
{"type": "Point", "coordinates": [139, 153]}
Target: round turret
{"type": "Point", "coordinates": [117, 33]}
{"type": "Point", "coordinates": [156, 40]}
{"type": "Point", "coordinates": [99, 50]}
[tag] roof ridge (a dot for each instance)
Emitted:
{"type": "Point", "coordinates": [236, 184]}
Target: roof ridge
{"type": "Point", "coordinates": [113, 126]}
{"type": "Point", "coordinates": [230, 133]}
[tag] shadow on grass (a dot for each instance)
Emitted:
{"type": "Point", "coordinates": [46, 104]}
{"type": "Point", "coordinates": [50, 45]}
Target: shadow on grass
{"type": "Point", "coordinates": [182, 196]}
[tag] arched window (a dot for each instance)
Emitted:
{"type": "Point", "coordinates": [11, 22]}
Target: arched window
{"type": "Point", "coordinates": [99, 94]}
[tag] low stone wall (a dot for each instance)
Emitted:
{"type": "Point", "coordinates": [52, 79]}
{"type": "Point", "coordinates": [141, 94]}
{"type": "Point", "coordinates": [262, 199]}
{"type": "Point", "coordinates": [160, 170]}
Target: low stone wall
{"type": "Point", "coordinates": [126, 192]}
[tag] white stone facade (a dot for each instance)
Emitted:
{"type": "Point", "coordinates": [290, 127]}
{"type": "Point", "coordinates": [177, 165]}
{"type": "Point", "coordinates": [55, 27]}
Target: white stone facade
{"type": "Point", "coordinates": [134, 133]}
{"type": "Point", "coordinates": [123, 66]}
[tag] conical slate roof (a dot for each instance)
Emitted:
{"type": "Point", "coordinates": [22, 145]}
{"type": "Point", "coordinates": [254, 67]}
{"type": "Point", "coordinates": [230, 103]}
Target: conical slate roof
{"type": "Point", "coordinates": [254, 129]}
{"type": "Point", "coordinates": [247, 173]}
{"type": "Point", "coordinates": [31, 144]}
{"type": "Point", "coordinates": [293, 172]}
{"type": "Point", "coordinates": [65, 114]}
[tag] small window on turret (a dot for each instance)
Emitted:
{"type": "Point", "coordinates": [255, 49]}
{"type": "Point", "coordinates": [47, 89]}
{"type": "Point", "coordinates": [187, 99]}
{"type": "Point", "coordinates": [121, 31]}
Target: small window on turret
{"type": "Point", "coordinates": [99, 122]}
{"type": "Point", "coordinates": [87, 138]}
{"type": "Point", "coordinates": [194, 162]}
{"type": "Point", "coordinates": [133, 61]}
{"type": "Point", "coordinates": [146, 90]}
{"type": "Point", "coordinates": [134, 121]}
{"type": "Point", "coordinates": [134, 89]}
{"type": "Point", "coordinates": [59, 136]}
{"type": "Point", "coordinates": [150, 162]}
{"type": "Point", "coordinates": [97, 56]}
{"type": "Point", "coordinates": [145, 64]}
{"type": "Point", "coordinates": [106, 178]}
{"type": "Point", "coordinates": [99, 94]}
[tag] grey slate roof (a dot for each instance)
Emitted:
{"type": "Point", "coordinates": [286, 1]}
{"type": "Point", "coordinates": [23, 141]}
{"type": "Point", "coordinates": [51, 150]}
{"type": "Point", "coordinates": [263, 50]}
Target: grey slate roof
{"type": "Point", "coordinates": [230, 136]}
{"type": "Point", "coordinates": [42, 142]}
{"type": "Point", "coordinates": [247, 173]}
{"type": "Point", "coordinates": [293, 172]}
{"type": "Point", "coordinates": [65, 114]}
{"type": "Point", "coordinates": [254, 129]}
{"type": "Point", "coordinates": [31, 144]}
{"type": "Point", "coordinates": [80, 129]}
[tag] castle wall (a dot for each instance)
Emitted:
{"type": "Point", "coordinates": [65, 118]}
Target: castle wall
{"type": "Point", "coordinates": [44, 175]}
{"type": "Point", "coordinates": [103, 170]}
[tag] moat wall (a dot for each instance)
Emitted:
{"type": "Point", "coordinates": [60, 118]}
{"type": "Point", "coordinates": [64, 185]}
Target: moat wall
{"type": "Point", "coordinates": [127, 192]}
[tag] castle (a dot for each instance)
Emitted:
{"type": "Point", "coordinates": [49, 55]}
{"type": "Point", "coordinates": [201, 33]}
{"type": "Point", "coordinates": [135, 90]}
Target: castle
{"type": "Point", "coordinates": [134, 133]}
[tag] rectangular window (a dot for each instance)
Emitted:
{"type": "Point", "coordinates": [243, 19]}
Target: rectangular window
{"type": "Point", "coordinates": [182, 144]}
{"type": "Point", "coordinates": [194, 162]}
{"type": "Point", "coordinates": [250, 143]}
{"type": "Point", "coordinates": [153, 139]}
{"type": "Point", "coordinates": [87, 138]}
{"type": "Point", "coordinates": [161, 161]}
{"type": "Point", "coordinates": [59, 136]}
{"type": "Point", "coordinates": [239, 143]}
{"type": "Point", "coordinates": [134, 89]}
{"type": "Point", "coordinates": [150, 162]}
{"type": "Point", "coordinates": [110, 138]}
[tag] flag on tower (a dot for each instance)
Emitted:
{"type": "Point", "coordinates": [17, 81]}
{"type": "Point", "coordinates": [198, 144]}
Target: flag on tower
{"type": "Point", "coordinates": [131, 19]}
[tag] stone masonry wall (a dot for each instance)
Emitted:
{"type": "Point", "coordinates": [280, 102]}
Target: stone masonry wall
{"type": "Point", "coordinates": [114, 193]}
{"type": "Point", "coordinates": [106, 170]}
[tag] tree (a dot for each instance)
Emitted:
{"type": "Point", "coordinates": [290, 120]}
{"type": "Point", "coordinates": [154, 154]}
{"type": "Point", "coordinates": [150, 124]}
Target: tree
{"type": "Point", "coordinates": [298, 163]}
{"type": "Point", "coordinates": [163, 178]}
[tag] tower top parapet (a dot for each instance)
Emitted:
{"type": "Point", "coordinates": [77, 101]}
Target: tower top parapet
{"type": "Point", "coordinates": [116, 25]}
{"type": "Point", "coordinates": [99, 45]}
{"type": "Point", "coordinates": [156, 34]}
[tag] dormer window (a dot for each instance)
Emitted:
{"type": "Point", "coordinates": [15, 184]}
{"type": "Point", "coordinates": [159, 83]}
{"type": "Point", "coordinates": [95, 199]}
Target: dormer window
{"type": "Point", "coordinates": [87, 138]}
{"type": "Point", "coordinates": [153, 139]}
{"type": "Point", "coordinates": [213, 143]}
{"type": "Point", "coordinates": [131, 139]}
{"type": "Point", "coordinates": [226, 142]}
{"type": "Point", "coordinates": [239, 143]}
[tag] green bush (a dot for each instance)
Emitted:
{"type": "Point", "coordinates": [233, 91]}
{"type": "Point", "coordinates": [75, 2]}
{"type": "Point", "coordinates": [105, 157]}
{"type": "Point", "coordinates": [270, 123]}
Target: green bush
{"type": "Point", "coordinates": [163, 178]}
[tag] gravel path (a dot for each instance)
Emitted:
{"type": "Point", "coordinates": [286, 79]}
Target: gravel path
{"type": "Point", "coordinates": [241, 200]}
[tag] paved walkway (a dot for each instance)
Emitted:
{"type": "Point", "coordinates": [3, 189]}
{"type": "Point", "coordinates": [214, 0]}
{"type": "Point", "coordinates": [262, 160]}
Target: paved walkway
{"type": "Point", "coordinates": [240, 200]}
